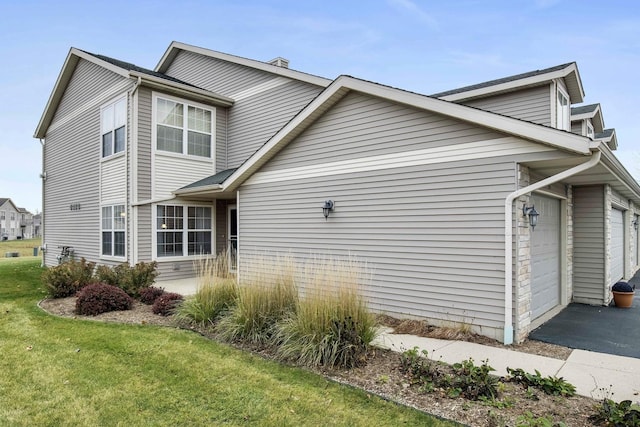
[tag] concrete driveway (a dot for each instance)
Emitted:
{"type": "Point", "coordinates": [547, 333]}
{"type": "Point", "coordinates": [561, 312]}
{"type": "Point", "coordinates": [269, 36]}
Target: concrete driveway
{"type": "Point", "coordinates": [596, 328]}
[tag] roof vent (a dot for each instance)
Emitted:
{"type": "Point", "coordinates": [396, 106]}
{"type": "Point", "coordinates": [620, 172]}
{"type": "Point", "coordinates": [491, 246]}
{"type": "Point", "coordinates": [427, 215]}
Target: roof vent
{"type": "Point", "coordinates": [280, 62]}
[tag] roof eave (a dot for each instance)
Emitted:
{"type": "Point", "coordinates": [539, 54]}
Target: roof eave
{"type": "Point", "coordinates": [343, 84]}
{"type": "Point", "coordinates": [69, 66]}
{"type": "Point", "coordinates": [612, 162]}
{"type": "Point", "coordinates": [197, 190]}
{"type": "Point", "coordinates": [182, 89]}
{"type": "Point", "coordinates": [175, 47]}
{"type": "Point", "coordinates": [570, 71]}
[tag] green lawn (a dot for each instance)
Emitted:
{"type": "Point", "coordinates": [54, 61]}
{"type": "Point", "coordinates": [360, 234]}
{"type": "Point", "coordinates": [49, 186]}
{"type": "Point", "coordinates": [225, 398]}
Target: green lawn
{"type": "Point", "coordinates": [59, 372]}
{"type": "Point", "coordinates": [23, 247]}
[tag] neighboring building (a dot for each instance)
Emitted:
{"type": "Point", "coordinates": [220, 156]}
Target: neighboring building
{"type": "Point", "coordinates": [15, 223]}
{"type": "Point", "coordinates": [37, 221]}
{"type": "Point", "coordinates": [211, 151]}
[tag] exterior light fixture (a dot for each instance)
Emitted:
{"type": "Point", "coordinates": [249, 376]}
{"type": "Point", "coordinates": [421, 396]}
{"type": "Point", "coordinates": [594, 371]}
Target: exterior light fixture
{"type": "Point", "coordinates": [532, 213]}
{"type": "Point", "coordinates": [635, 224]}
{"type": "Point", "coordinates": [326, 208]}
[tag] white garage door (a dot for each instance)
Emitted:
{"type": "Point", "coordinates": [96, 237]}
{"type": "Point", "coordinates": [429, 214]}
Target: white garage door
{"type": "Point", "coordinates": [545, 256]}
{"type": "Point", "coordinates": [617, 245]}
{"type": "Point", "coordinates": [637, 248]}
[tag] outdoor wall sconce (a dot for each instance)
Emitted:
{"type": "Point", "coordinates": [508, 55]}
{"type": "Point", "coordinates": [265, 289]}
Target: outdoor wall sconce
{"type": "Point", "coordinates": [635, 224]}
{"type": "Point", "coordinates": [532, 213]}
{"type": "Point", "coordinates": [326, 208]}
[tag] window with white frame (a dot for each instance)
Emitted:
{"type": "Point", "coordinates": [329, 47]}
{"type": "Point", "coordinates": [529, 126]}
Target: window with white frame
{"type": "Point", "coordinates": [183, 230]}
{"type": "Point", "coordinates": [590, 132]}
{"type": "Point", "coordinates": [562, 110]}
{"type": "Point", "coordinates": [113, 120]}
{"type": "Point", "coordinates": [183, 128]}
{"type": "Point", "coordinates": [13, 216]}
{"type": "Point", "coordinates": [113, 231]}
{"type": "Point", "coordinates": [2, 215]}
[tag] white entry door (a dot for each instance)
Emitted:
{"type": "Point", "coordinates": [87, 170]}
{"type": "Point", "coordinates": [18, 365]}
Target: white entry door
{"type": "Point", "coordinates": [617, 245]}
{"type": "Point", "coordinates": [545, 256]}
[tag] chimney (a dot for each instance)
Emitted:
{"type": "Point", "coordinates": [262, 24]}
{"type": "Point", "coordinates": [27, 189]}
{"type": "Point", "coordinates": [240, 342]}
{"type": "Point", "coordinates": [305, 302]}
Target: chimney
{"type": "Point", "coordinates": [280, 62]}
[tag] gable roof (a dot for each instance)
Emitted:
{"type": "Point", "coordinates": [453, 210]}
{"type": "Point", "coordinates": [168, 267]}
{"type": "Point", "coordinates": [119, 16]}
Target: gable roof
{"type": "Point", "coordinates": [142, 75]}
{"type": "Point", "coordinates": [211, 180]}
{"type": "Point", "coordinates": [609, 137]}
{"type": "Point", "coordinates": [344, 84]}
{"type": "Point", "coordinates": [3, 201]}
{"type": "Point", "coordinates": [568, 71]}
{"type": "Point", "coordinates": [591, 111]}
{"type": "Point", "coordinates": [175, 48]}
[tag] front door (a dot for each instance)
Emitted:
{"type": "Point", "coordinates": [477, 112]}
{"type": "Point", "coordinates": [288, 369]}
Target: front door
{"type": "Point", "coordinates": [232, 220]}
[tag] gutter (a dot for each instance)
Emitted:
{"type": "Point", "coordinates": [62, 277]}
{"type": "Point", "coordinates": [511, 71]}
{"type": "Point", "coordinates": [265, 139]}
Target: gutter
{"type": "Point", "coordinates": [508, 233]}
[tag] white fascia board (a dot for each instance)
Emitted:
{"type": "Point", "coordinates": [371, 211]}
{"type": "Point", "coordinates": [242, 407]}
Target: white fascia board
{"type": "Point", "coordinates": [159, 83]}
{"type": "Point", "coordinates": [520, 83]}
{"type": "Point", "coordinates": [343, 84]}
{"type": "Point", "coordinates": [618, 169]}
{"type": "Point", "coordinates": [64, 77]}
{"type": "Point", "coordinates": [173, 49]}
{"type": "Point", "coordinates": [196, 190]}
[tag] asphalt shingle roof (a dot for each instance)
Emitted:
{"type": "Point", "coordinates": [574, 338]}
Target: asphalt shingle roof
{"type": "Point", "coordinates": [502, 80]}
{"type": "Point", "coordinates": [211, 180]}
{"type": "Point", "coordinates": [584, 109]}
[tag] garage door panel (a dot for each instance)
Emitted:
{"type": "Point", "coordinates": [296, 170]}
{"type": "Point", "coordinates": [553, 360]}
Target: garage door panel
{"type": "Point", "coordinates": [617, 245]}
{"type": "Point", "coordinates": [545, 256]}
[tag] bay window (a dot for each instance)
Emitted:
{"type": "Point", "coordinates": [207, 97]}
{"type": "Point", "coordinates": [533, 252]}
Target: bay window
{"type": "Point", "coordinates": [183, 230]}
{"type": "Point", "coordinates": [183, 128]}
{"type": "Point", "coordinates": [113, 231]}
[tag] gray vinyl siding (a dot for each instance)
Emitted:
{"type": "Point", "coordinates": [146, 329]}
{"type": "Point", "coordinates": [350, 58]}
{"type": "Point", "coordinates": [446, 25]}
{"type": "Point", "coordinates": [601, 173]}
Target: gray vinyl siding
{"type": "Point", "coordinates": [176, 270]}
{"type": "Point", "coordinates": [253, 119]}
{"type": "Point", "coordinates": [360, 125]}
{"type": "Point", "coordinates": [576, 127]}
{"type": "Point", "coordinates": [88, 81]}
{"type": "Point", "coordinates": [143, 167]}
{"type": "Point", "coordinates": [432, 236]}
{"type": "Point", "coordinates": [221, 139]}
{"type": "Point", "coordinates": [72, 165]}
{"type": "Point", "coordinates": [72, 161]}
{"type": "Point", "coordinates": [588, 244]}
{"type": "Point", "coordinates": [532, 104]}
{"type": "Point", "coordinates": [216, 75]}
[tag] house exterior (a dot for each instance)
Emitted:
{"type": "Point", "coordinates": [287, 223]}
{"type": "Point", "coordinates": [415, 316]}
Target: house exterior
{"type": "Point", "coordinates": [210, 151]}
{"type": "Point", "coordinates": [15, 223]}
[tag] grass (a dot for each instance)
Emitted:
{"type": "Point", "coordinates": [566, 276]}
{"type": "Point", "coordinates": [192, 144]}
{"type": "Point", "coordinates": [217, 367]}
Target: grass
{"type": "Point", "coordinates": [23, 247]}
{"type": "Point", "coordinates": [65, 372]}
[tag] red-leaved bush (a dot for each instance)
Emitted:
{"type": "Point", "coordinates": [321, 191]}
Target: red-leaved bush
{"type": "Point", "coordinates": [166, 303]}
{"type": "Point", "coordinates": [99, 298]}
{"type": "Point", "coordinates": [150, 294]}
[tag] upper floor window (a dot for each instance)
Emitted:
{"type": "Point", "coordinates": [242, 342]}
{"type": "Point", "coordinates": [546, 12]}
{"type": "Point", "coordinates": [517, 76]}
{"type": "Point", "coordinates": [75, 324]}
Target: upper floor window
{"type": "Point", "coordinates": [2, 215]}
{"type": "Point", "coordinates": [113, 231]}
{"type": "Point", "coordinates": [13, 216]}
{"type": "Point", "coordinates": [113, 119]}
{"type": "Point", "coordinates": [590, 132]}
{"type": "Point", "coordinates": [183, 128]}
{"type": "Point", "coordinates": [562, 111]}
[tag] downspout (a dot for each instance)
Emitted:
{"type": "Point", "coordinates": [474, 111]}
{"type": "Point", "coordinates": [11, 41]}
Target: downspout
{"type": "Point", "coordinates": [508, 233]}
{"type": "Point", "coordinates": [43, 176]}
{"type": "Point", "coordinates": [132, 250]}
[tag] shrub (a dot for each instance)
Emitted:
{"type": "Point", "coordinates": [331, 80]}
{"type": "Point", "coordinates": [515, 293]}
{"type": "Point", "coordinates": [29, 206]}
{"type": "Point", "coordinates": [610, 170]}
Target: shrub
{"type": "Point", "coordinates": [129, 279]}
{"type": "Point", "coordinates": [149, 294]}
{"type": "Point", "coordinates": [331, 325]}
{"type": "Point", "coordinates": [66, 279]}
{"type": "Point", "coordinates": [99, 298]}
{"type": "Point", "coordinates": [474, 382]}
{"type": "Point", "coordinates": [166, 303]}
{"type": "Point", "coordinates": [610, 413]}
{"type": "Point", "coordinates": [622, 287]}
{"type": "Point", "coordinates": [550, 385]}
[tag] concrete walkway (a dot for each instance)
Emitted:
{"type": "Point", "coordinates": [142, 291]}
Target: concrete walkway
{"type": "Point", "coordinates": [588, 371]}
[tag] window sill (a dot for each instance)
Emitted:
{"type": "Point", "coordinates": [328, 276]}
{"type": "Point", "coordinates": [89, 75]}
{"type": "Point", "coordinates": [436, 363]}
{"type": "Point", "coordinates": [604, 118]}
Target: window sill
{"type": "Point", "coordinates": [112, 157]}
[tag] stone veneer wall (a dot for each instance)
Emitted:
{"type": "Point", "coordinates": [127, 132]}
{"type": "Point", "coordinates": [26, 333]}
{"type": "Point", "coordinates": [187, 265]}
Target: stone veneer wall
{"type": "Point", "coordinates": [569, 217]}
{"type": "Point", "coordinates": [607, 241]}
{"type": "Point", "coordinates": [522, 268]}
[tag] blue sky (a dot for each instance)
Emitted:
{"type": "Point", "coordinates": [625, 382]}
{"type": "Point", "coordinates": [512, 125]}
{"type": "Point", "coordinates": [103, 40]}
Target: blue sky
{"type": "Point", "coordinates": [423, 46]}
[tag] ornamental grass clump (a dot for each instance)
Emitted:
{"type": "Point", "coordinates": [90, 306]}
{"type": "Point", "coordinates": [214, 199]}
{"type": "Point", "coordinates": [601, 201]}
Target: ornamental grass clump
{"type": "Point", "coordinates": [216, 294]}
{"type": "Point", "coordinates": [98, 298]}
{"type": "Point", "coordinates": [268, 295]}
{"type": "Point", "coordinates": [331, 325]}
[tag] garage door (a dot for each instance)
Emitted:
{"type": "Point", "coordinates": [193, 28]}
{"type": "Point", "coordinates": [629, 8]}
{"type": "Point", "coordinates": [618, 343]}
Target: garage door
{"type": "Point", "coordinates": [637, 248]}
{"type": "Point", "coordinates": [617, 245]}
{"type": "Point", "coordinates": [545, 256]}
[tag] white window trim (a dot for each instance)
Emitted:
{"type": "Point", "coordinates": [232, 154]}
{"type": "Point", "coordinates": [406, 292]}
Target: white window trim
{"type": "Point", "coordinates": [126, 129]}
{"type": "Point", "coordinates": [185, 231]}
{"type": "Point", "coordinates": [114, 257]}
{"type": "Point", "coordinates": [589, 127]}
{"type": "Point", "coordinates": [187, 103]}
{"type": "Point", "coordinates": [567, 120]}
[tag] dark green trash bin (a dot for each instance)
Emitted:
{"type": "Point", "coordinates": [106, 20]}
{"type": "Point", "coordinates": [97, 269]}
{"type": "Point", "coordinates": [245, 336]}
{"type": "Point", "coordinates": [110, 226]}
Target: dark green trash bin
{"type": "Point", "coordinates": [35, 251]}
